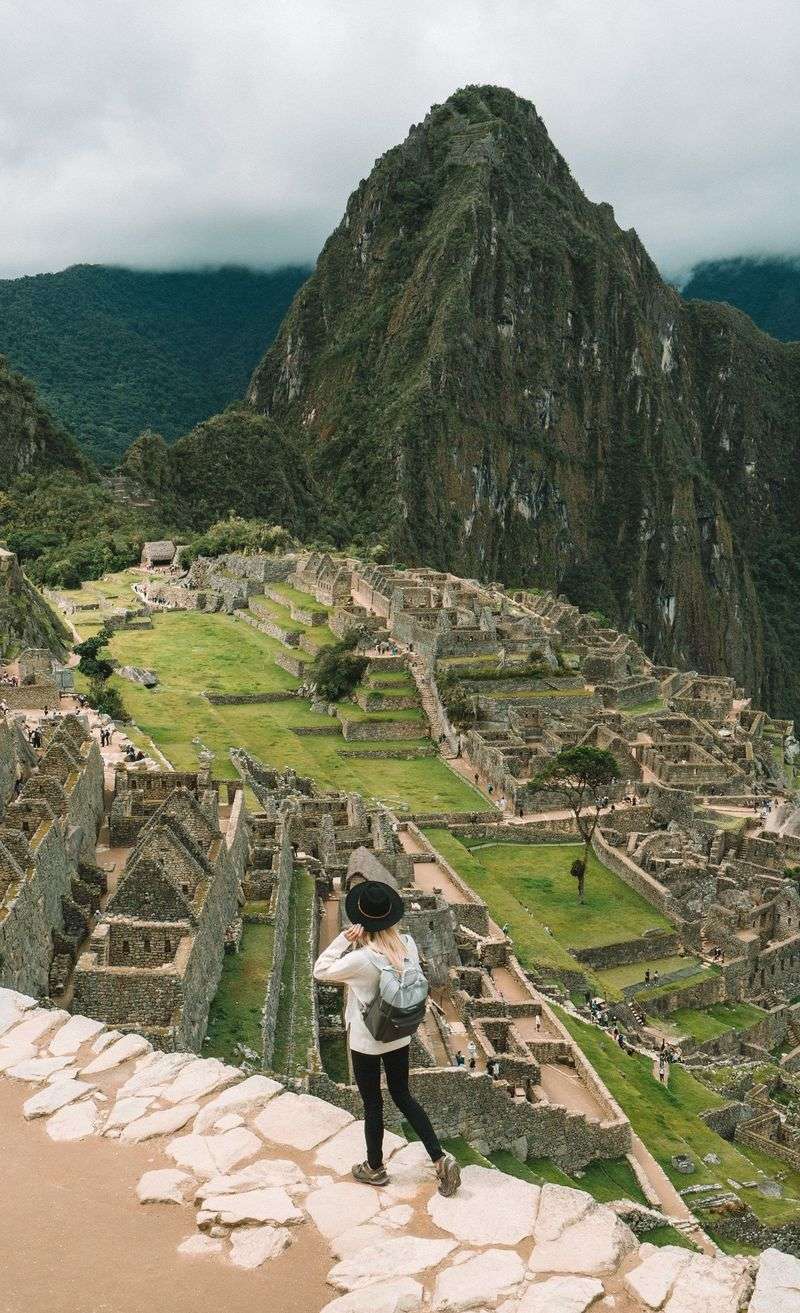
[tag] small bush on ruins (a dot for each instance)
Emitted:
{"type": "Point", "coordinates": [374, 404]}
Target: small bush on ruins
{"type": "Point", "coordinates": [338, 670]}
{"type": "Point", "coordinates": [107, 700]}
{"type": "Point", "coordinates": [582, 774]}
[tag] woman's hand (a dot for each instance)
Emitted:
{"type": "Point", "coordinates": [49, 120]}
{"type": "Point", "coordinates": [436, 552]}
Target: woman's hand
{"type": "Point", "coordinates": [355, 934]}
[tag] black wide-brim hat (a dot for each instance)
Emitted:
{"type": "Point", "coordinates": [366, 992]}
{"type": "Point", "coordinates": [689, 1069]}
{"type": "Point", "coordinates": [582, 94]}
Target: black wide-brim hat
{"type": "Point", "coordinates": [374, 905]}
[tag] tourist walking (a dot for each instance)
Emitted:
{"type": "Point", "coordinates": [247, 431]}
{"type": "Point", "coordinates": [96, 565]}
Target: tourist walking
{"type": "Point", "coordinates": [369, 958]}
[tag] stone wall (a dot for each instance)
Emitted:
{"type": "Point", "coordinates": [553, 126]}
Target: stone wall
{"type": "Point", "coordinates": [384, 729]}
{"type": "Point", "coordinates": [628, 951]}
{"type": "Point", "coordinates": [246, 699]}
{"type": "Point", "coordinates": [283, 879]}
{"type": "Point", "coordinates": [650, 889]}
{"type": "Point", "coordinates": [31, 910]}
{"type": "Point", "coordinates": [480, 1110]}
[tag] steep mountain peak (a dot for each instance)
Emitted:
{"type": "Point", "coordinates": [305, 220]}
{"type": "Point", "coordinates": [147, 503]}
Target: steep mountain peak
{"type": "Point", "coordinates": [486, 371]}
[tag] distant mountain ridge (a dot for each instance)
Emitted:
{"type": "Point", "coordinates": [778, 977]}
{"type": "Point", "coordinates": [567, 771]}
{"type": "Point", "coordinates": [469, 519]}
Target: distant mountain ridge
{"type": "Point", "coordinates": [490, 376]}
{"type": "Point", "coordinates": [113, 351]}
{"type": "Point", "coordinates": [768, 290]}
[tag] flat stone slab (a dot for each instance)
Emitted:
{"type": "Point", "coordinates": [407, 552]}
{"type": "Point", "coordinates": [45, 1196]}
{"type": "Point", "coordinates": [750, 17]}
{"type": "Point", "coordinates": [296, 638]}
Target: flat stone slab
{"type": "Point", "coordinates": [561, 1295]}
{"type": "Point", "coordinates": [490, 1208]}
{"type": "Point", "coordinates": [411, 1171]}
{"type": "Point", "coordinates": [250, 1207]}
{"type": "Point", "coordinates": [257, 1244]}
{"type": "Point", "coordinates": [34, 1025]}
{"type": "Point", "coordinates": [348, 1147]}
{"type": "Point", "coordinates": [710, 1285]}
{"type": "Point", "coordinates": [214, 1155]}
{"type": "Point", "coordinates": [13, 1006]}
{"type": "Point", "coordinates": [13, 1054]}
{"type": "Point", "coordinates": [75, 1032]}
{"type": "Point", "coordinates": [247, 1097]}
{"type": "Point", "coordinates": [125, 1111]}
{"type": "Point", "coordinates": [560, 1207]}
{"type": "Point", "coordinates": [165, 1121]}
{"type": "Point", "coordinates": [200, 1246]}
{"type": "Point", "coordinates": [357, 1237]}
{"type": "Point", "coordinates": [165, 1186]}
{"type": "Point", "coordinates": [653, 1279]}
{"type": "Point", "coordinates": [199, 1078]}
{"type": "Point", "coordinates": [300, 1121]}
{"type": "Point", "coordinates": [122, 1050]}
{"type": "Point", "coordinates": [53, 1097]}
{"type": "Point", "coordinates": [401, 1296]}
{"type": "Point", "coordinates": [38, 1069]}
{"type": "Point", "coordinates": [263, 1174]}
{"type": "Point", "coordinates": [777, 1288]}
{"type": "Point", "coordinates": [595, 1245]}
{"type": "Point", "coordinates": [481, 1280]}
{"type": "Point", "coordinates": [396, 1257]}
{"type": "Point", "coordinates": [75, 1122]}
{"type": "Point", "coordinates": [339, 1207]}
{"type": "Point", "coordinates": [154, 1073]}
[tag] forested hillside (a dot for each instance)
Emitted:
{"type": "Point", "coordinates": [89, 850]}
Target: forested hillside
{"type": "Point", "coordinates": [767, 290]}
{"type": "Point", "coordinates": [115, 351]}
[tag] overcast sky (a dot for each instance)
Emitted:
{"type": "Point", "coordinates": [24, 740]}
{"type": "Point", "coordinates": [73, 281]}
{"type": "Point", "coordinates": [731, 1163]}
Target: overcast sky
{"type": "Point", "coordinates": [181, 132]}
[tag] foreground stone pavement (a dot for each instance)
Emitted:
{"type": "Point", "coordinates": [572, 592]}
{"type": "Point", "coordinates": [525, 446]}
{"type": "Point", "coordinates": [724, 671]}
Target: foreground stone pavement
{"type": "Point", "coordinates": [249, 1164]}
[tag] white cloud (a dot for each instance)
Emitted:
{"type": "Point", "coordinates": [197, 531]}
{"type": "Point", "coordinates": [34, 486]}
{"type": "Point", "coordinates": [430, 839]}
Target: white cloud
{"type": "Point", "coordinates": [157, 132]}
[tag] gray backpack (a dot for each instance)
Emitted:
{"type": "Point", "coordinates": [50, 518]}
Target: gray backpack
{"type": "Point", "coordinates": [399, 1005]}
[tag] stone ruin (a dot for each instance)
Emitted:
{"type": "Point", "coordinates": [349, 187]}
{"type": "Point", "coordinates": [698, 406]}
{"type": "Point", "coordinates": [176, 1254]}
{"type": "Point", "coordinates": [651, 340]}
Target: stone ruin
{"type": "Point", "coordinates": [154, 958]}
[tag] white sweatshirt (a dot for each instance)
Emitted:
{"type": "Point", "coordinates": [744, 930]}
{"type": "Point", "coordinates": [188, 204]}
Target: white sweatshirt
{"type": "Point", "coordinates": [340, 964]}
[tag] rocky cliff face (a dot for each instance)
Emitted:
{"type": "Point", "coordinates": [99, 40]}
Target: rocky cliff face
{"type": "Point", "coordinates": [30, 439]}
{"type": "Point", "coordinates": [26, 620]}
{"type": "Point", "coordinates": [488, 372]}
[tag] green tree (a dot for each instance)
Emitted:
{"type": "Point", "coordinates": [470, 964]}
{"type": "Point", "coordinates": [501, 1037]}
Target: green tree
{"type": "Point", "coordinates": [582, 774]}
{"type": "Point", "coordinates": [338, 670]}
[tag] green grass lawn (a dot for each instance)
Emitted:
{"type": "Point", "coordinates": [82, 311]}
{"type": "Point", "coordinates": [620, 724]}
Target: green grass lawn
{"type": "Point", "coordinates": [644, 708]}
{"type": "Point", "coordinates": [667, 1119]}
{"type": "Point", "coordinates": [529, 888]}
{"type": "Point", "coordinates": [295, 596]}
{"type": "Point", "coordinates": [192, 652]}
{"type": "Point", "coordinates": [538, 875]}
{"type": "Point", "coordinates": [709, 1023]}
{"type": "Point", "coordinates": [294, 1029]}
{"type": "Point", "coordinates": [631, 974]}
{"type": "Point", "coordinates": [235, 1017]}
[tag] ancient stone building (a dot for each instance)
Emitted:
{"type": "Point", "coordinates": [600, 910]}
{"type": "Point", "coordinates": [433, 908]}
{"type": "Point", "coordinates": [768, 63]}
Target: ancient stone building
{"type": "Point", "coordinates": [155, 955]}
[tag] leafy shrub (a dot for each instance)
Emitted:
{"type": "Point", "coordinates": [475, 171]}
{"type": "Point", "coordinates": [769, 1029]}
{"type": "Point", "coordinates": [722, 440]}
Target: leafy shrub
{"type": "Point", "coordinates": [338, 670]}
{"type": "Point", "coordinates": [107, 700]}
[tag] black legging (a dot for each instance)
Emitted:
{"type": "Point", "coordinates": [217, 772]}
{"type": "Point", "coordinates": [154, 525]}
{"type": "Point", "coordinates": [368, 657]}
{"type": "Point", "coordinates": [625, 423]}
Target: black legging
{"type": "Point", "coordinates": [367, 1071]}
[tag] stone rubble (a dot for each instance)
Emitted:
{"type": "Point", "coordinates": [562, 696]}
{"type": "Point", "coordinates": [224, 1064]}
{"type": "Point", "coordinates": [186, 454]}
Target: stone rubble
{"type": "Point", "coordinates": [500, 1243]}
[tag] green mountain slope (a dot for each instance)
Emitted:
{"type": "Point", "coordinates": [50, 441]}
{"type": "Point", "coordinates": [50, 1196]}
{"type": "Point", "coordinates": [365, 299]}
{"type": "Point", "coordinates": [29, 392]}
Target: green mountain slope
{"type": "Point", "coordinates": [487, 372]}
{"type": "Point", "coordinates": [114, 351]}
{"type": "Point", "coordinates": [31, 441]}
{"type": "Point", "coordinates": [766, 290]}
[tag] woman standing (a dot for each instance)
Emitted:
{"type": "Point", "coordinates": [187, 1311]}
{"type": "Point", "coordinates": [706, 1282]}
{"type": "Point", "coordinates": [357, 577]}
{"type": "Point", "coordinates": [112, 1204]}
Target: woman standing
{"type": "Point", "coordinates": [374, 909]}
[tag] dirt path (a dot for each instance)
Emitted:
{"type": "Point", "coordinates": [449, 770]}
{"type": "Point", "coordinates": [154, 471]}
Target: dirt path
{"type": "Point", "coordinates": [75, 1240]}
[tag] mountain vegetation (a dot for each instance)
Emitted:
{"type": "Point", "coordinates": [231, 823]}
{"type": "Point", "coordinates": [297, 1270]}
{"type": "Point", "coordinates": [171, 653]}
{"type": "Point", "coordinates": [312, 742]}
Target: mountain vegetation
{"type": "Point", "coordinates": [488, 375]}
{"type": "Point", "coordinates": [768, 290]}
{"type": "Point", "coordinates": [114, 351]}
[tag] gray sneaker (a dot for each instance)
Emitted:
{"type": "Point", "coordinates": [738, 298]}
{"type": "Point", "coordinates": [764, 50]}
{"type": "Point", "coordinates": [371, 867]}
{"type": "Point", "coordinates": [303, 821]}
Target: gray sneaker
{"type": "Point", "coordinates": [370, 1175]}
{"type": "Point", "coordinates": [449, 1174]}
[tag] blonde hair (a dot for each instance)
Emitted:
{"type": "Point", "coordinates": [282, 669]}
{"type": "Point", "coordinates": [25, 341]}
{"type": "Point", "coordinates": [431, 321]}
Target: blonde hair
{"type": "Point", "coordinates": [390, 944]}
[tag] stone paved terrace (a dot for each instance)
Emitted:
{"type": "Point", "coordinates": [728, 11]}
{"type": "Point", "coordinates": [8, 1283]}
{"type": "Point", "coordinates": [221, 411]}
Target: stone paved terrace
{"type": "Point", "coordinates": [231, 1189]}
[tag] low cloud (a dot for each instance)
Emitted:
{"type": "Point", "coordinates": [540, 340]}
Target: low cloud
{"type": "Point", "coordinates": [184, 132]}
